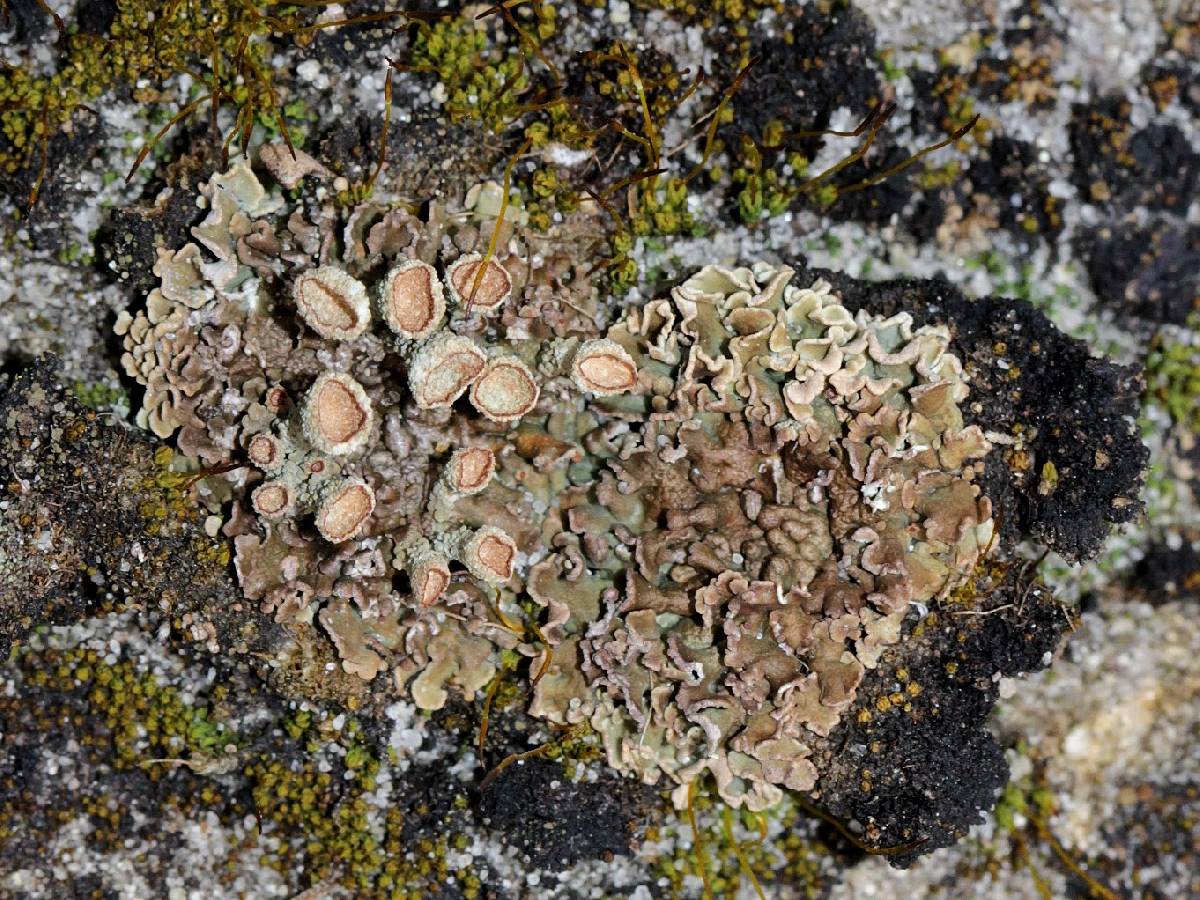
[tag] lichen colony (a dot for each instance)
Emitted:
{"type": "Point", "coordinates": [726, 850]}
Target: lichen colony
{"type": "Point", "coordinates": [713, 510]}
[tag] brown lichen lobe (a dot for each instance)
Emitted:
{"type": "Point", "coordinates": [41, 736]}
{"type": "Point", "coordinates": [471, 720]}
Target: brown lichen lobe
{"type": "Point", "coordinates": [342, 496]}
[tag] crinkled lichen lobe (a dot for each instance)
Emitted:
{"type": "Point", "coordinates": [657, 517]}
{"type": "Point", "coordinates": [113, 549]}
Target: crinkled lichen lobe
{"type": "Point", "coordinates": [800, 478]}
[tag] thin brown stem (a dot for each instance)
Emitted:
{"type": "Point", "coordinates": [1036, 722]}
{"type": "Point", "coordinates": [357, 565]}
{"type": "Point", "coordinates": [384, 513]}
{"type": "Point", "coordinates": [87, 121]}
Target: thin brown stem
{"type": "Point", "coordinates": [698, 841]}
{"type": "Point", "coordinates": [711, 136]}
{"type": "Point", "coordinates": [171, 123]}
{"type": "Point", "coordinates": [45, 161]}
{"type": "Point", "coordinates": [904, 164]}
{"type": "Point", "coordinates": [495, 237]}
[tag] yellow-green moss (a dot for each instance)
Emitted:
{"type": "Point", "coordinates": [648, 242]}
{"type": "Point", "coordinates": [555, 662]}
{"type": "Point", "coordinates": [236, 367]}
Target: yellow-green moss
{"type": "Point", "coordinates": [99, 396]}
{"type": "Point", "coordinates": [484, 80]}
{"type": "Point", "coordinates": [1173, 379]}
{"type": "Point", "coordinates": [145, 720]}
{"type": "Point", "coordinates": [789, 861]}
{"type": "Point", "coordinates": [315, 814]}
{"type": "Point", "coordinates": [149, 42]}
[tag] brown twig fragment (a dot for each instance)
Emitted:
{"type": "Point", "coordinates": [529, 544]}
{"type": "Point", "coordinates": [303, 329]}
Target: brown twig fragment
{"type": "Point", "coordinates": [715, 121]}
{"type": "Point", "coordinates": [813, 810]}
{"type": "Point", "coordinates": [698, 841]}
{"type": "Point", "coordinates": [488, 700]}
{"type": "Point", "coordinates": [528, 754]}
{"type": "Point", "coordinates": [387, 124]}
{"type": "Point", "coordinates": [58, 22]}
{"type": "Point", "coordinates": [874, 121]}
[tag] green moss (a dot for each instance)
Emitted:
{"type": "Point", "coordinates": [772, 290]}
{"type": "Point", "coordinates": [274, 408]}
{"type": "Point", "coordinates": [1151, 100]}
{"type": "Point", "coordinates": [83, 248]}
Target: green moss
{"type": "Point", "coordinates": [483, 80]}
{"type": "Point", "coordinates": [933, 177]}
{"type": "Point", "coordinates": [614, 98]}
{"type": "Point", "coordinates": [887, 65]}
{"type": "Point", "coordinates": [1049, 478]}
{"type": "Point", "coordinates": [735, 852]}
{"type": "Point", "coordinates": [150, 42]}
{"type": "Point", "coordinates": [1022, 815]}
{"type": "Point", "coordinates": [577, 749]}
{"type": "Point", "coordinates": [100, 396]}
{"type": "Point", "coordinates": [1173, 379]}
{"type": "Point", "coordinates": [663, 208]}
{"type": "Point", "coordinates": [313, 812]}
{"type": "Point", "coordinates": [144, 719]}
{"type": "Point", "coordinates": [297, 724]}
{"type": "Point", "coordinates": [766, 177]}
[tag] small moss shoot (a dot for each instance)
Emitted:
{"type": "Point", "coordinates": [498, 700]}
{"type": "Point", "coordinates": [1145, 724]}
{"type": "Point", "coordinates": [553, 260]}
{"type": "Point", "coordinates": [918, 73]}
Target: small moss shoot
{"type": "Point", "coordinates": [100, 396]}
{"type": "Point", "coordinates": [1022, 813]}
{"type": "Point", "coordinates": [1173, 377]}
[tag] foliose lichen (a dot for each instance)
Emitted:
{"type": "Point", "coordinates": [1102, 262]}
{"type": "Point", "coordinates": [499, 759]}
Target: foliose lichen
{"type": "Point", "coordinates": [789, 480]}
{"type": "Point", "coordinates": [702, 523]}
{"type": "Point", "coordinates": [361, 372]}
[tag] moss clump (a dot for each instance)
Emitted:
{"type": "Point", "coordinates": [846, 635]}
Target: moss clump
{"type": "Point", "coordinates": [766, 187]}
{"type": "Point", "coordinates": [144, 719]}
{"type": "Point", "coordinates": [581, 747]}
{"type": "Point", "coordinates": [663, 208]}
{"type": "Point", "coordinates": [612, 96]}
{"type": "Point", "coordinates": [615, 102]}
{"type": "Point", "coordinates": [483, 78]}
{"type": "Point", "coordinates": [323, 812]}
{"type": "Point", "coordinates": [735, 854]}
{"type": "Point", "coordinates": [100, 396]}
{"type": "Point", "coordinates": [1173, 379]}
{"type": "Point", "coordinates": [224, 45]}
{"type": "Point", "coordinates": [306, 784]}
